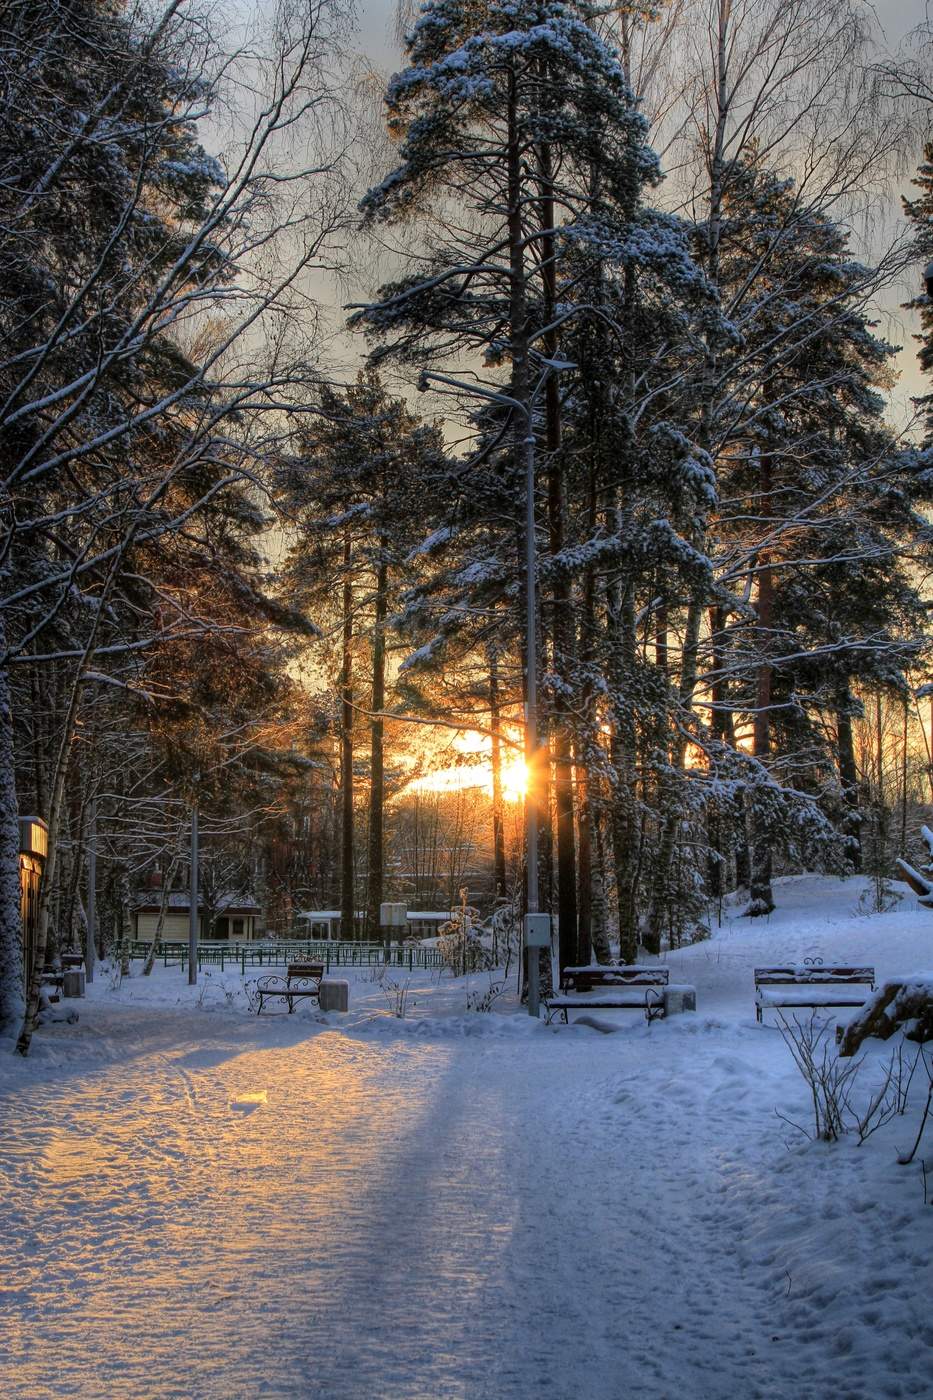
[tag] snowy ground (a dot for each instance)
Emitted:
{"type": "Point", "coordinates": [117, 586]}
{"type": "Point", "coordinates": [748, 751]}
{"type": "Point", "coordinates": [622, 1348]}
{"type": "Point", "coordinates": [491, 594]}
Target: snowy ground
{"type": "Point", "coordinates": [199, 1203]}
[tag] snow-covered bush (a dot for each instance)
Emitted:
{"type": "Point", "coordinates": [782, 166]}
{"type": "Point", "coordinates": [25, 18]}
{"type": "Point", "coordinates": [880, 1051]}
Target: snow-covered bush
{"type": "Point", "coordinates": [396, 994]}
{"type": "Point", "coordinates": [485, 1000]}
{"type": "Point", "coordinates": [832, 1081]}
{"type": "Point", "coordinates": [461, 941]}
{"type": "Point", "coordinates": [503, 934]}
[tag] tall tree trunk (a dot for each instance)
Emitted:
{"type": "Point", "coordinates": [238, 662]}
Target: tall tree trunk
{"type": "Point", "coordinates": [903, 841]}
{"type": "Point", "coordinates": [623, 755]}
{"type": "Point", "coordinates": [761, 898]}
{"type": "Point", "coordinates": [561, 611]}
{"type": "Point", "coordinates": [661, 649]}
{"type": "Point", "coordinates": [585, 741]}
{"type": "Point", "coordinates": [347, 900]}
{"type": "Point", "coordinates": [57, 798]}
{"type": "Point", "coordinates": [498, 825]}
{"type": "Point", "coordinates": [848, 775]}
{"type": "Point", "coordinates": [661, 890]}
{"type": "Point", "coordinates": [584, 857]}
{"type": "Point", "coordinates": [376, 869]}
{"type": "Point", "coordinates": [719, 724]}
{"type": "Point", "coordinates": [12, 999]}
{"type": "Point", "coordinates": [168, 880]}
{"type": "Point", "coordinates": [524, 446]}
{"type": "Point", "coordinates": [561, 742]}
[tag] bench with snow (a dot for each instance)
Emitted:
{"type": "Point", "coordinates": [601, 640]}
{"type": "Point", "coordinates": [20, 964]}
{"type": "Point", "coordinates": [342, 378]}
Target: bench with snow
{"type": "Point", "coordinates": [812, 985]}
{"type": "Point", "coordinates": [301, 980]}
{"type": "Point", "coordinates": [611, 988]}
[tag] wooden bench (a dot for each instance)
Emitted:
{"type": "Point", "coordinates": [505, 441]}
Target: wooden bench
{"type": "Point", "coordinates": [609, 989]}
{"type": "Point", "coordinates": [301, 980]}
{"type": "Point", "coordinates": [52, 982]}
{"type": "Point", "coordinates": [811, 985]}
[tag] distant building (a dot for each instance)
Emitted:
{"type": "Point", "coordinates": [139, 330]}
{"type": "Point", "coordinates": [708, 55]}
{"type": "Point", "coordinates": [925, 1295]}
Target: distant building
{"type": "Point", "coordinates": [239, 917]}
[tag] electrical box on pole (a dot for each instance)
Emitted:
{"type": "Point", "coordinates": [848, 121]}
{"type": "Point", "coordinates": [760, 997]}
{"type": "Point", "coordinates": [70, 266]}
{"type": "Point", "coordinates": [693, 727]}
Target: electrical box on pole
{"type": "Point", "coordinates": [537, 930]}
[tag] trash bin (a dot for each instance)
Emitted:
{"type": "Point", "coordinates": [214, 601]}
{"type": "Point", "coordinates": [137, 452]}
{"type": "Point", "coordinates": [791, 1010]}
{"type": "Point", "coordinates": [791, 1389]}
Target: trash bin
{"type": "Point", "coordinates": [334, 994]}
{"type": "Point", "coordinates": [73, 975]}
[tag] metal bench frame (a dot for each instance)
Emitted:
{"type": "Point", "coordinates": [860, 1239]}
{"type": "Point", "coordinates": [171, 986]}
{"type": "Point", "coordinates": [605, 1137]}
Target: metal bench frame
{"type": "Point", "coordinates": [303, 980]}
{"type": "Point", "coordinates": [618, 989]}
{"type": "Point", "coordinates": [813, 974]}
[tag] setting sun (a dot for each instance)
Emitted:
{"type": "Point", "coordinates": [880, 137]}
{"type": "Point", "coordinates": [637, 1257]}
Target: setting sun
{"type": "Point", "coordinates": [476, 771]}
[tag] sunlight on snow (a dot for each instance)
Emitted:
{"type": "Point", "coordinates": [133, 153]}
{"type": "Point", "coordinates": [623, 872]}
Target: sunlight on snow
{"type": "Point", "coordinates": [246, 1102]}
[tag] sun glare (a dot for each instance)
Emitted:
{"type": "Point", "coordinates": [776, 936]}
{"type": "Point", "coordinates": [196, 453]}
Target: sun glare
{"type": "Point", "coordinates": [476, 773]}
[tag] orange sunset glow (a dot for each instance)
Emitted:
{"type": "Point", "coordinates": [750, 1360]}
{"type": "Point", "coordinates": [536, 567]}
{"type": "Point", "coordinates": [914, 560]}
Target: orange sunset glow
{"type": "Point", "coordinates": [476, 771]}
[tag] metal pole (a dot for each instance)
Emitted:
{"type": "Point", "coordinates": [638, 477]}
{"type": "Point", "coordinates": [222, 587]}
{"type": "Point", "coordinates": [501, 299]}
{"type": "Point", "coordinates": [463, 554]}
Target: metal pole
{"type": "Point", "coordinates": [531, 712]}
{"type": "Point", "coordinates": [90, 957]}
{"type": "Point", "coordinates": [193, 921]}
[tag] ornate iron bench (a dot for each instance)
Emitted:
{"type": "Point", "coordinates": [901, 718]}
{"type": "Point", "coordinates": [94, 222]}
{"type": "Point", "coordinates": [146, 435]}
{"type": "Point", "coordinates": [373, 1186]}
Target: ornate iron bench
{"type": "Point", "coordinates": [301, 980]}
{"type": "Point", "coordinates": [811, 985]}
{"type": "Point", "coordinates": [598, 987]}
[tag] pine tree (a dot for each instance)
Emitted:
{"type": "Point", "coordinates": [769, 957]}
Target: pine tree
{"type": "Point", "coordinates": [520, 120]}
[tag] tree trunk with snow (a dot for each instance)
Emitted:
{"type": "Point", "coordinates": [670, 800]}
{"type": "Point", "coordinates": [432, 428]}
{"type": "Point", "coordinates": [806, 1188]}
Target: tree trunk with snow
{"type": "Point", "coordinates": [12, 999]}
{"type": "Point", "coordinates": [376, 864]}
{"type": "Point", "coordinates": [495, 729]}
{"type": "Point", "coordinates": [347, 899]}
{"type": "Point", "coordinates": [848, 776]}
{"type": "Point", "coordinates": [761, 898]}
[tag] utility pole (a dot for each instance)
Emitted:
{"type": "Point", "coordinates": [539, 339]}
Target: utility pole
{"type": "Point", "coordinates": [531, 720]}
{"type": "Point", "coordinates": [537, 926]}
{"type": "Point", "coordinates": [193, 919]}
{"type": "Point", "coordinates": [90, 956]}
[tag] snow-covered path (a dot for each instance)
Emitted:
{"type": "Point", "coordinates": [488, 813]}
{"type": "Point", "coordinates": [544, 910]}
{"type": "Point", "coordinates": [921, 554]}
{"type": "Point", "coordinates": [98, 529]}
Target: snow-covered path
{"type": "Point", "coordinates": [514, 1213]}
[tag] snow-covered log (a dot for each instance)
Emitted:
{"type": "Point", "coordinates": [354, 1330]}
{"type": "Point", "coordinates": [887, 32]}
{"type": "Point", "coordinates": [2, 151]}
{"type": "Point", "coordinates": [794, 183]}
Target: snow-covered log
{"type": "Point", "coordinates": [900, 1003]}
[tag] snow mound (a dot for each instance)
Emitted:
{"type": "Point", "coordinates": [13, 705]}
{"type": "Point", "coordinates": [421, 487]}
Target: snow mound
{"type": "Point", "coordinates": [454, 1027]}
{"type": "Point", "coordinates": [249, 1102]}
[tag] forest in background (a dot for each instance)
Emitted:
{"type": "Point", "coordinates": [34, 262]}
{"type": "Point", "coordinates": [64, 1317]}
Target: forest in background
{"type": "Point", "coordinates": [637, 252]}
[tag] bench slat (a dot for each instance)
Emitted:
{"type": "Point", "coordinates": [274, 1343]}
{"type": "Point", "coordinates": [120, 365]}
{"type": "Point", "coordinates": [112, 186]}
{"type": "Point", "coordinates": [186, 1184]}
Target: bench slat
{"type": "Point", "coordinates": [816, 986]}
{"type": "Point", "coordinates": [581, 979]}
{"type": "Point", "coordinates": [594, 999]}
{"type": "Point", "coordinates": [765, 976]}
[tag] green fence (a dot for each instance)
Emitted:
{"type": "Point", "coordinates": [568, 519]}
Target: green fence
{"type": "Point", "coordinates": [268, 953]}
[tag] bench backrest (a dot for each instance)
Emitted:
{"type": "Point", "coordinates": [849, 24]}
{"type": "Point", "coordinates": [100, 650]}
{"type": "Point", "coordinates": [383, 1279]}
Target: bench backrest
{"type": "Point", "coordinates": [789, 976]}
{"type": "Point", "coordinates": [588, 979]}
{"type": "Point", "coordinates": [306, 969]}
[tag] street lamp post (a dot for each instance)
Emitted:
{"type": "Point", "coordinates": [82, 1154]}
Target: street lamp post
{"type": "Point", "coordinates": [193, 919]}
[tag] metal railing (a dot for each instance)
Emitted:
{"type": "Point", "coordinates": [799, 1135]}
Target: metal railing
{"type": "Point", "coordinates": [280, 952]}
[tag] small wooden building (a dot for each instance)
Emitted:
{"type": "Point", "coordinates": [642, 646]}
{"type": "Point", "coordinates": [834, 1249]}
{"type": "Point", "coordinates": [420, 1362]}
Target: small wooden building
{"type": "Point", "coordinates": [33, 851]}
{"type": "Point", "coordinates": [239, 919]}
